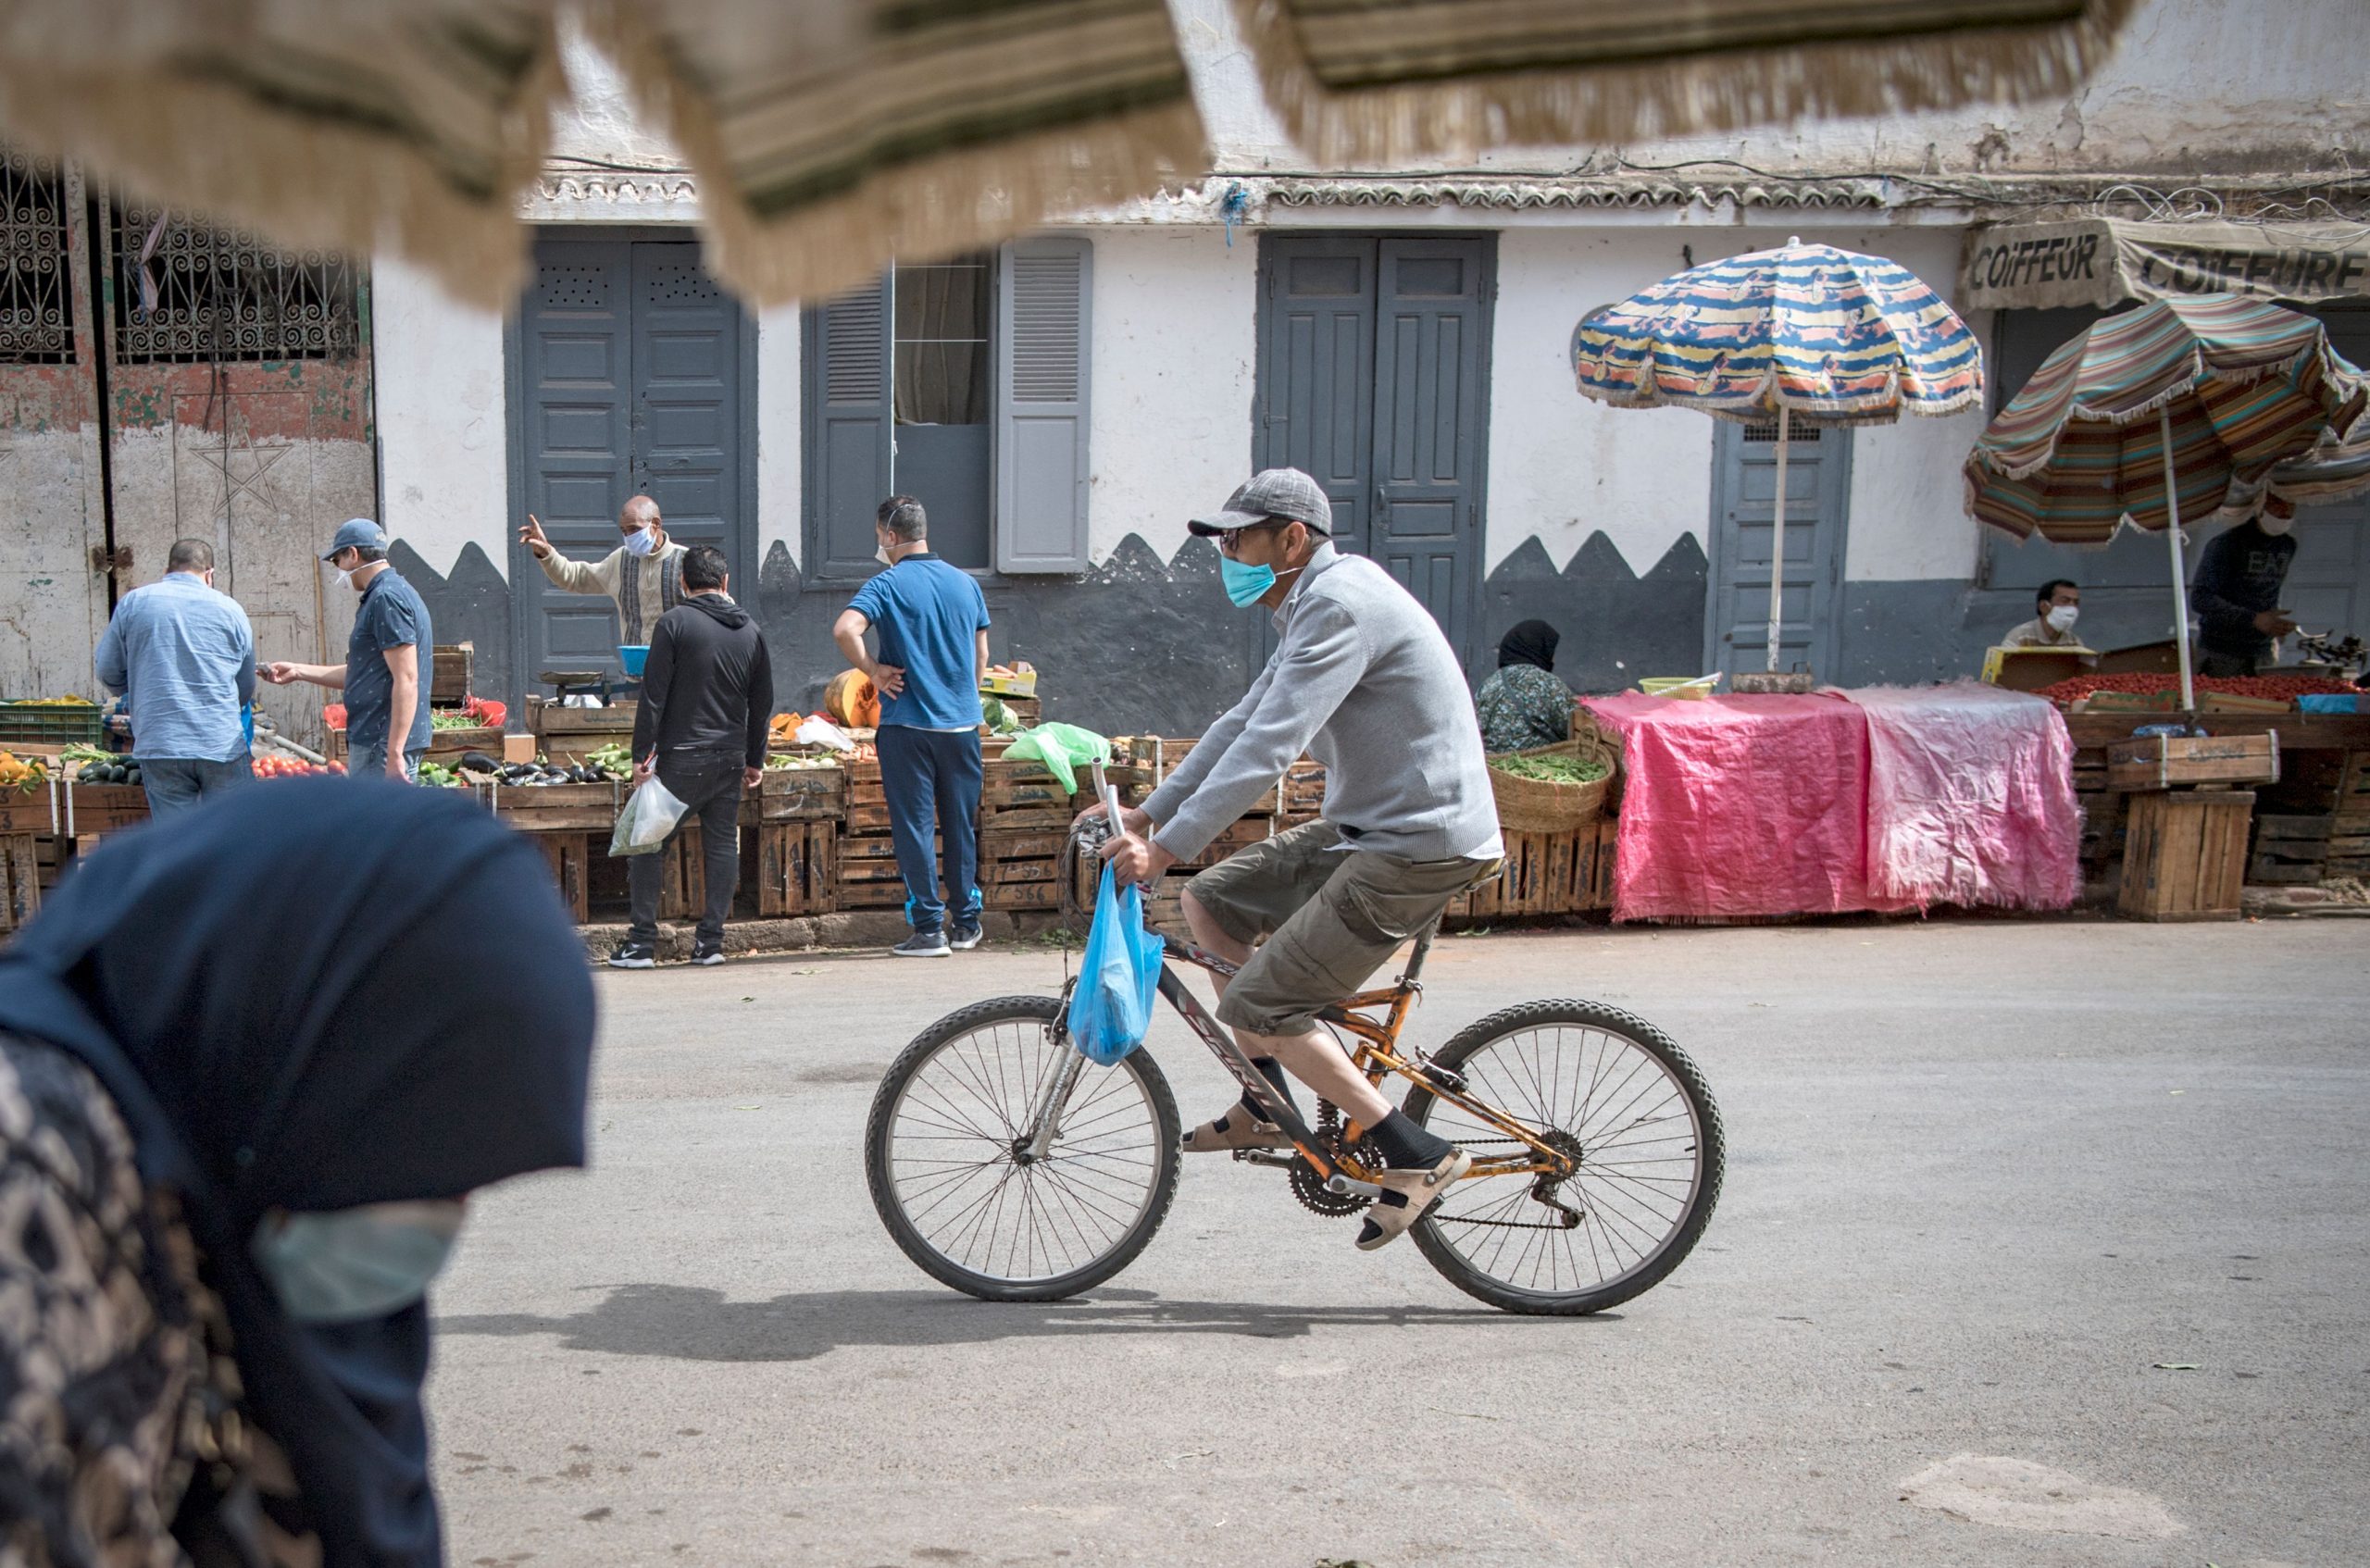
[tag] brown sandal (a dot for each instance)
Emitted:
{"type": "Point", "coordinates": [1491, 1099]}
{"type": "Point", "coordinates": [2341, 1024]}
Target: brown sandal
{"type": "Point", "coordinates": [1239, 1129]}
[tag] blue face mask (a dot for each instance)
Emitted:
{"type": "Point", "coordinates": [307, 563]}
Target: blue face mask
{"type": "Point", "coordinates": [1246, 585]}
{"type": "Point", "coordinates": [356, 1263]}
{"type": "Point", "coordinates": [641, 541]}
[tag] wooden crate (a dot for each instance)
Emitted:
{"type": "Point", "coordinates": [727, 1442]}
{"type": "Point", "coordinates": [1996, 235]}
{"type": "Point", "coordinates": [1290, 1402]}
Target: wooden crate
{"type": "Point", "coordinates": [20, 879]}
{"type": "Point", "coordinates": [102, 808]}
{"type": "Point", "coordinates": [454, 669]}
{"type": "Point", "coordinates": [570, 855]}
{"type": "Point", "coordinates": [2170, 762]}
{"type": "Point", "coordinates": [798, 867]}
{"type": "Point", "coordinates": [801, 794]}
{"type": "Point", "coordinates": [1547, 873]}
{"type": "Point", "coordinates": [2185, 854]}
{"type": "Point", "coordinates": [558, 808]}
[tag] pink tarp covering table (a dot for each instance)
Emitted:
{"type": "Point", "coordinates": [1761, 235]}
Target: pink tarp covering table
{"type": "Point", "coordinates": [1737, 807]}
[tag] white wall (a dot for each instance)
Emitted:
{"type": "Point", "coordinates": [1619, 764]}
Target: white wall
{"type": "Point", "coordinates": [444, 432]}
{"type": "Point", "coordinates": [1562, 466]}
{"type": "Point", "coordinates": [779, 435]}
{"type": "Point", "coordinates": [1175, 335]}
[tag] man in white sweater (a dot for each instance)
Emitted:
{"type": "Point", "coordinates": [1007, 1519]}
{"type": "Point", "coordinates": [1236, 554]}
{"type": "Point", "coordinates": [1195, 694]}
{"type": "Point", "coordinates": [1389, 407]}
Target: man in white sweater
{"type": "Point", "coordinates": [643, 576]}
{"type": "Point", "coordinates": [1363, 680]}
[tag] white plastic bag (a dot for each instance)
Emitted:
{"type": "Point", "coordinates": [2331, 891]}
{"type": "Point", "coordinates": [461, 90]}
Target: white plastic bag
{"type": "Point", "coordinates": [823, 732]}
{"type": "Point", "coordinates": [650, 815]}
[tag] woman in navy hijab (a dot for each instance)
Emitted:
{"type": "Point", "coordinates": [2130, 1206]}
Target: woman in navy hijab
{"type": "Point", "coordinates": [251, 1066]}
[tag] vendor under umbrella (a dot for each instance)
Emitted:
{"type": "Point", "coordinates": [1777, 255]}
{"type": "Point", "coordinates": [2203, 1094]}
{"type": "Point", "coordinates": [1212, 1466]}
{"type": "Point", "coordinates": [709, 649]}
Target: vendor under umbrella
{"type": "Point", "coordinates": [2236, 593]}
{"type": "Point", "coordinates": [1525, 704]}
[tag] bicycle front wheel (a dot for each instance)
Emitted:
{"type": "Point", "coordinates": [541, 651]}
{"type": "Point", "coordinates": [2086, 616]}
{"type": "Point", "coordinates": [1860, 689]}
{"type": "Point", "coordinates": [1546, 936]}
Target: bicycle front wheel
{"type": "Point", "coordinates": [946, 1155]}
{"type": "Point", "coordinates": [1621, 1099]}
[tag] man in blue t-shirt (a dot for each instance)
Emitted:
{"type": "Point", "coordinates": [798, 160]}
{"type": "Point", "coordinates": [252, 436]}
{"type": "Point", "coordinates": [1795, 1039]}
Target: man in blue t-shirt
{"type": "Point", "coordinates": [387, 724]}
{"type": "Point", "coordinates": [931, 624]}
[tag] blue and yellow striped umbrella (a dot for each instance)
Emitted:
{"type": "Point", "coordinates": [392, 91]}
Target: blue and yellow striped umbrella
{"type": "Point", "coordinates": [1821, 333]}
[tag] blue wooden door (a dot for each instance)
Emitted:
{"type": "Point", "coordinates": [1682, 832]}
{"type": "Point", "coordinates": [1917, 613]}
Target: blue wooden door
{"type": "Point", "coordinates": [632, 367]}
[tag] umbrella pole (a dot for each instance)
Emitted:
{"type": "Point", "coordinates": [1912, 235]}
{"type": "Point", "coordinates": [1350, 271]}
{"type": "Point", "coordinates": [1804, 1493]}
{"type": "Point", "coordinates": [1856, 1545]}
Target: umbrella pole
{"type": "Point", "coordinates": [2173, 532]}
{"type": "Point", "coordinates": [1777, 539]}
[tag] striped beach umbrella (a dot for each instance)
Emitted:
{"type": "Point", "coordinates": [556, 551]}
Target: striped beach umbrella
{"type": "Point", "coordinates": [1803, 331]}
{"type": "Point", "coordinates": [2159, 413]}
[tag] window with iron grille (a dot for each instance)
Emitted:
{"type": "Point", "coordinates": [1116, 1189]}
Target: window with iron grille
{"type": "Point", "coordinates": [187, 293]}
{"type": "Point", "coordinates": [36, 296]}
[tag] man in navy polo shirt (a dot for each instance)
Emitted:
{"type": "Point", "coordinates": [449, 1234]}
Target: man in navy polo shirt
{"type": "Point", "coordinates": [931, 624]}
{"type": "Point", "coordinates": [386, 704]}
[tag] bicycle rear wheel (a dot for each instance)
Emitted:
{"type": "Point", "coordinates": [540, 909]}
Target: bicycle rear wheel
{"type": "Point", "coordinates": [1615, 1093]}
{"type": "Point", "coordinates": [945, 1156]}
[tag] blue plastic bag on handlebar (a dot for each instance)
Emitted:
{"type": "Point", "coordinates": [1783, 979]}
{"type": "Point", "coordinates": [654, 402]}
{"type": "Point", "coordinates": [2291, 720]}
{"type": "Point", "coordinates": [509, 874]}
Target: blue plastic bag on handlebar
{"type": "Point", "coordinates": [1112, 1006]}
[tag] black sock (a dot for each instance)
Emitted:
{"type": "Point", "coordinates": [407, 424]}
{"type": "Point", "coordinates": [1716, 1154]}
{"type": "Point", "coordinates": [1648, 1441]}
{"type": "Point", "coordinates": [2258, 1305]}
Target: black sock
{"type": "Point", "coordinates": [1406, 1146]}
{"type": "Point", "coordinates": [1273, 1071]}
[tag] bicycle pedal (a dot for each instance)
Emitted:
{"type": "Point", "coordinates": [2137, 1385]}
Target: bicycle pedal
{"type": "Point", "coordinates": [1274, 1159]}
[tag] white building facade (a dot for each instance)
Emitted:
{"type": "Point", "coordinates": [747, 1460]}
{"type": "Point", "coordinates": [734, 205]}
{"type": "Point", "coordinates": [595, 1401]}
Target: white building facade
{"type": "Point", "coordinates": [1064, 403]}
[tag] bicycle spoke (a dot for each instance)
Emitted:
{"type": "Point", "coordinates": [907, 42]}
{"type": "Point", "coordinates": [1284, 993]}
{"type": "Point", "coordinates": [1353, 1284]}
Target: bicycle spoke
{"type": "Point", "coordinates": [958, 1170]}
{"type": "Point", "coordinates": [1602, 1099]}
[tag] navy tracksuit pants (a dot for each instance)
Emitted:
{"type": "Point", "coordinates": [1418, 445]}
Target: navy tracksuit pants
{"type": "Point", "coordinates": [931, 779]}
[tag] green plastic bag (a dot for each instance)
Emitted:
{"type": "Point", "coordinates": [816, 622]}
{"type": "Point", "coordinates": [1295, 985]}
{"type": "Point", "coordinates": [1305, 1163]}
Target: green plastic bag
{"type": "Point", "coordinates": [1063, 748]}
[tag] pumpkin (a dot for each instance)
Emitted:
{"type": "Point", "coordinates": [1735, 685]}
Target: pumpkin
{"type": "Point", "coordinates": [852, 700]}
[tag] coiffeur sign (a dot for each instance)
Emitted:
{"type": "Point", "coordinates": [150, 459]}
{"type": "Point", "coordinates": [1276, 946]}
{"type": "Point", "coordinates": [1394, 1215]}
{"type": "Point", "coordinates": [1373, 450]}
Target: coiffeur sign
{"type": "Point", "coordinates": [2099, 261]}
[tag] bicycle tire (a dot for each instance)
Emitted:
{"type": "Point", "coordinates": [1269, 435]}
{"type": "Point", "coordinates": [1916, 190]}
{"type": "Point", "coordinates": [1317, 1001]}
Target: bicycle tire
{"type": "Point", "coordinates": [1708, 1155]}
{"type": "Point", "coordinates": [1110, 1254]}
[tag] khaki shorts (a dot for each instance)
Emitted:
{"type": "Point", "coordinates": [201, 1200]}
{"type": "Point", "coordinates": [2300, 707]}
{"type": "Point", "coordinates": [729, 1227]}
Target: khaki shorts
{"type": "Point", "coordinates": [1329, 917]}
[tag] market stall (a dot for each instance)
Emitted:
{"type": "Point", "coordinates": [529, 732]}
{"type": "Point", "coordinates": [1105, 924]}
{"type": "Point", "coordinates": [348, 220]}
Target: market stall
{"type": "Point", "coordinates": [1768, 806]}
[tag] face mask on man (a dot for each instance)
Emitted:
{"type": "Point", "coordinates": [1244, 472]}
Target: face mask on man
{"type": "Point", "coordinates": [2060, 618]}
{"type": "Point", "coordinates": [2274, 524]}
{"type": "Point", "coordinates": [354, 1263]}
{"type": "Point", "coordinates": [641, 541]}
{"type": "Point", "coordinates": [345, 573]}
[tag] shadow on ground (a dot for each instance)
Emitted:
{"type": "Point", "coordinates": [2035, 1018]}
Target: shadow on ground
{"type": "Point", "coordinates": [686, 1322]}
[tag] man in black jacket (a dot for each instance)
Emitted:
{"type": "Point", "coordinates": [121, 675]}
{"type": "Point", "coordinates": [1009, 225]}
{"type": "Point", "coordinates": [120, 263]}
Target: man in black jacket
{"type": "Point", "coordinates": [2236, 591]}
{"type": "Point", "coordinates": [707, 694]}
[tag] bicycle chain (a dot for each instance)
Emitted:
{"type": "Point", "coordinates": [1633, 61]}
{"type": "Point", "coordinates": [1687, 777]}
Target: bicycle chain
{"type": "Point", "coordinates": [1499, 1225]}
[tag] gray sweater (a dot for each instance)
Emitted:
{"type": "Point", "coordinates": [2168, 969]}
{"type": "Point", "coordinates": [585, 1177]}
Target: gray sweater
{"type": "Point", "coordinates": [1363, 681]}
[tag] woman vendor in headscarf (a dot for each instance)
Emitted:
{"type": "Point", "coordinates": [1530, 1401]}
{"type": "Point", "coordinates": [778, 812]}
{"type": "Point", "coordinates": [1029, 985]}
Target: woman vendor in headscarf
{"type": "Point", "coordinates": [1525, 704]}
{"type": "Point", "coordinates": [250, 1069]}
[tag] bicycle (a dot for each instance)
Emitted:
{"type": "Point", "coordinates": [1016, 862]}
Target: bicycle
{"type": "Point", "coordinates": [1008, 1166]}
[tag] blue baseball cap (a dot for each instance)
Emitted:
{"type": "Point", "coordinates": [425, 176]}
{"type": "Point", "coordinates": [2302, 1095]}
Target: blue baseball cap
{"type": "Point", "coordinates": [356, 533]}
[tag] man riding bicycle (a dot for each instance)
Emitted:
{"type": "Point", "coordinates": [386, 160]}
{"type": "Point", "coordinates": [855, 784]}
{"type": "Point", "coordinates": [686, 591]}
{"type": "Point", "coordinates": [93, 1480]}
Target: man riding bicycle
{"type": "Point", "coordinates": [1361, 680]}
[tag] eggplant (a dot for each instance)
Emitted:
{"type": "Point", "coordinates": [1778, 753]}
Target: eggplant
{"type": "Point", "coordinates": [477, 762]}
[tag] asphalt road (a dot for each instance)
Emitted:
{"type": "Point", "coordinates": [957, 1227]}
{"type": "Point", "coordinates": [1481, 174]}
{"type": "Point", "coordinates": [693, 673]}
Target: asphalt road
{"type": "Point", "coordinates": [2056, 1229]}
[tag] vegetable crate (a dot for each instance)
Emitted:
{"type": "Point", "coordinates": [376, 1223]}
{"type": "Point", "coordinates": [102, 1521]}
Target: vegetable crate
{"type": "Point", "coordinates": [866, 874]}
{"type": "Point", "coordinates": [2172, 762]}
{"type": "Point", "coordinates": [2185, 855]}
{"type": "Point", "coordinates": [801, 794]}
{"type": "Point", "coordinates": [50, 724]}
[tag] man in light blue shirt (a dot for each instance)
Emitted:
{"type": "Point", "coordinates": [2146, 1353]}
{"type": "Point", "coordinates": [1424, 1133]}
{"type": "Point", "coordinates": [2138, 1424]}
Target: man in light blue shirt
{"type": "Point", "coordinates": [185, 657]}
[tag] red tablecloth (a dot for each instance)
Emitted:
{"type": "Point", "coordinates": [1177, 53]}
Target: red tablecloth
{"type": "Point", "coordinates": [1885, 800]}
{"type": "Point", "coordinates": [1738, 806]}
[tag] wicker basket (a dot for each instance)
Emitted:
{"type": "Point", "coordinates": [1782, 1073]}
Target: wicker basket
{"type": "Point", "coordinates": [1536, 806]}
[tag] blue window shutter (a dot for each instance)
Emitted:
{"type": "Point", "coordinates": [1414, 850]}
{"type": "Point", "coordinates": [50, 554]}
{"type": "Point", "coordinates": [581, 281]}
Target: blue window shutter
{"type": "Point", "coordinates": [1045, 288]}
{"type": "Point", "coordinates": [848, 429]}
